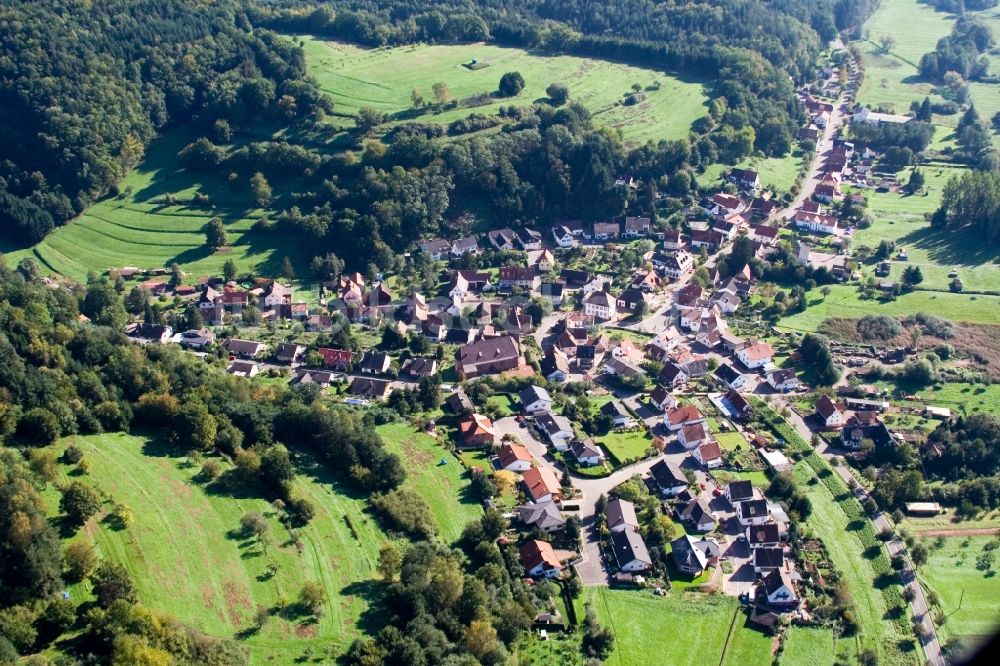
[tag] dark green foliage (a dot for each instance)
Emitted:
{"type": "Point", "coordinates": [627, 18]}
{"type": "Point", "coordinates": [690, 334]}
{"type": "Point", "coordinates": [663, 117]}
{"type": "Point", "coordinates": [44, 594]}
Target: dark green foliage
{"type": "Point", "coordinates": [960, 52]}
{"type": "Point", "coordinates": [112, 583]}
{"type": "Point", "coordinates": [971, 201]}
{"type": "Point", "coordinates": [915, 136]}
{"type": "Point", "coordinates": [878, 328]}
{"type": "Point", "coordinates": [78, 503]}
{"type": "Point", "coordinates": [406, 511]}
{"type": "Point", "coordinates": [511, 84]}
{"type": "Point", "coordinates": [558, 93]}
{"type": "Point", "coordinates": [816, 356]}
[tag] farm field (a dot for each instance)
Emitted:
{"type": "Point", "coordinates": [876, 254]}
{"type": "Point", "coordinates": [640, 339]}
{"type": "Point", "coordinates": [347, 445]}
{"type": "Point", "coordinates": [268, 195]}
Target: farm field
{"type": "Point", "coordinates": [968, 595]}
{"type": "Point", "coordinates": [892, 79]}
{"type": "Point", "coordinates": [681, 629]}
{"type": "Point", "coordinates": [830, 524]}
{"type": "Point", "coordinates": [808, 646]}
{"type": "Point", "coordinates": [445, 488]}
{"type": "Point", "coordinates": [188, 559]}
{"type": "Point", "coordinates": [844, 301]}
{"type": "Point", "coordinates": [140, 230]}
{"type": "Point", "coordinates": [384, 78]}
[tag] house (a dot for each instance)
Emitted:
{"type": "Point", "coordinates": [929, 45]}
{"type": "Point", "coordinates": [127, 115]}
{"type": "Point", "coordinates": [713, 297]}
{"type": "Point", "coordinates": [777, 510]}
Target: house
{"type": "Point", "coordinates": [243, 369]}
{"type": "Point", "coordinates": [729, 376]}
{"type": "Point", "coordinates": [563, 236]}
{"type": "Point", "coordinates": [515, 458]}
{"type": "Point", "coordinates": [761, 208]}
{"type": "Point", "coordinates": [475, 431]}
{"type": "Point", "coordinates": [710, 239]}
{"type": "Point", "coordinates": [753, 512]}
{"type": "Point", "coordinates": [826, 193]}
{"type": "Point", "coordinates": [697, 515]}
{"type": "Point", "coordinates": [276, 295]}
{"type": "Point", "coordinates": [622, 368]}
{"type": "Point", "coordinates": [367, 387]}
{"type": "Point", "coordinates": [616, 410]}
{"type": "Point", "coordinates": [645, 280]}
{"type": "Point", "coordinates": [740, 407]}
{"type": "Point", "coordinates": [487, 357]}
{"type": "Point", "coordinates": [600, 305]}
{"type": "Point", "coordinates": [535, 399]}
{"type": "Point", "coordinates": [726, 301]}
{"type": "Point", "coordinates": [765, 235]}
{"type": "Point", "coordinates": [672, 375]}
{"type": "Point", "coordinates": [586, 452]}
{"type": "Point", "coordinates": [854, 434]}
{"type": "Point", "coordinates": [756, 355]}
{"type": "Point", "coordinates": [779, 590]}
{"type": "Point", "coordinates": [815, 222]}
{"type": "Point", "coordinates": [436, 248]}
{"type": "Point", "coordinates": [766, 560]}
{"type": "Point", "coordinates": [374, 363]}
{"type": "Point", "coordinates": [289, 352]}
{"type": "Point", "coordinates": [783, 380]}
{"type": "Point", "coordinates": [458, 403]}
{"type": "Point", "coordinates": [545, 516]}
{"type": "Point", "coordinates": [865, 115]}
{"type": "Point", "coordinates": [517, 277]}
{"type": "Point", "coordinates": [720, 205]}
{"type": "Point", "coordinates": [606, 230]}
{"type": "Point", "coordinates": [763, 536]}
{"type": "Point", "coordinates": [197, 339]}
{"type": "Point", "coordinates": [539, 559]}
{"type": "Point", "coordinates": [630, 551]}
{"type": "Point", "coordinates": [709, 455]}
{"type": "Point", "coordinates": [553, 291]}
{"type": "Point", "coordinates": [419, 366]}
{"type": "Point", "coordinates": [830, 414]}
{"type": "Point", "coordinates": [502, 239]}
{"type": "Point", "coordinates": [597, 283]}
{"type": "Point", "coordinates": [244, 348]}
{"type": "Point", "coordinates": [529, 239]}
{"type": "Point", "coordinates": [620, 516]}
{"type": "Point", "coordinates": [158, 333]}
{"type": "Point", "coordinates": [677, 418]}
{"type": "Point", "coordinates": [318, 323]}
{"type": "Point", "coordinates": [687, 556]}
{"type": "Point", "coordinates": [693, 436]}
{"type": "Point", "coordinates": [321, 378]}
{"type": "Point", "coordinates": [678, 265]}
{"type": "Point", "coordinates": [542, 485]}
{"type": "Point", "coordinates": [338, 359]}
{"type": "Point", "coordinates": [557, 428]}
{"type": "Point", "coordinates": [541, 260]}
{"type": "Point", "coordinates": [636, 227]}
{"type": "Point", "coordinates": [555, 365]}
{"type": "Point", "coordinates": [738, 491]}
{"type": "Point", "coordinates": [632, 300]}
{"type": "Point", "coordinates": [672, 239]}
{"type": "Point", "coordinates": [668, 477]}
{"type": "Point", "coordinates": [467, 245]}
{"type": "Point", "coordinates": [745, 179]}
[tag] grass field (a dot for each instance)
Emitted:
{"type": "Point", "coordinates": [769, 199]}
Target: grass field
{"type": "Point", "coordinates": [775, 172]}
{"type": "Point", "coordinates": [986, 96]}
{"type": "Point", "coordinates": [729, 441]}
{"type": "Point", "coordinates": [891, 79]}
{"type": "Point", "coordinates": [968, 596]}
{"type": "Point", "coordinates": [189, 561]}
{"type": "Point", "coordinates": [625, 445]}
{"type": "Point", "coordinates": [445, 488]}
{"type": "Point", "coordinates": [747, 645]}
{"type": "Point", "coordinates": [807, 646]}
{"type": "Point", "coordinates": [682, 629]}
{"type": "Point", "coordinates": [140, 230]}
{"type": "Point", "coordinates": [384, 78]}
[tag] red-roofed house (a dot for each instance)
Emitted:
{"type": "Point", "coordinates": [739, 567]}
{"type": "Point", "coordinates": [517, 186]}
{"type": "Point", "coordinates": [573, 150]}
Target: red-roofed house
{"type": "Point", "coordinates": [515, 458]}
{"type": "Point", "coordinates": [756, 355]}
{"type": "Point", "coordinates": [475, 430]}
{"type": "Point", "coordinates": [542, 485]}
{"type": "Point", "coordinates": [336, 358]}
{"type": "Point", "coordinates": [830, 413]}
{"type": "Point", "coordinates": [539, 559]}
{"type": "Point", "coordinates": [709, 455]}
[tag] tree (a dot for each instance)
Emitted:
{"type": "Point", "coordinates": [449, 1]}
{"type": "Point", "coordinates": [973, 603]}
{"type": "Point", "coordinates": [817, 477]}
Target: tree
{"type": "Point", "coordinates": [215, 234]}
{"type": "Point", "coordinates": [441, 92]}
{"type": "Point", "coordinates": [558, 93]}
{"type": "Point", "coordinates": [368, 120]}
{"type": "Point", "coordinates": [887, 42]}
{"type": "Point", "coordinates": [916, 182]}
{"type": "Point", "coordinates": [825, 290]}
{"type": "Point", "coordinates": [112, 583]}
{"type": "Point", "coordinates": [598, 640]}
{"type": "Point", "coordinates": [79, 502]}
{"type": "Point", "coordinates": [416, 98]}
{"type": "Point", "coordinates": [389, 562]}
{"type": "Point", "coordinates": [912, 276]}
{"type": "Point", "coordinates": [229, 270]}
{"type": "Point", "coordinates": [260, 189]}
{"type": "Point", "coordinates": [312, 596]}
{"type": "Point", "coordinates": [511, 84]}
{"type": "Point", "coordinates": [816, 355]}
{"type": "Point", "coordinates": [80, 559]}
{"type": "Point", "coordinates": [136, 300]}
{"type": "Point", "coordinates": [287, 270]}
{"type": "Point", "coordinates": [504, 481]}
{"type": "Point", "coordinates": [254, 524]}
{"type": "Point", "coordinates": [480, 638]}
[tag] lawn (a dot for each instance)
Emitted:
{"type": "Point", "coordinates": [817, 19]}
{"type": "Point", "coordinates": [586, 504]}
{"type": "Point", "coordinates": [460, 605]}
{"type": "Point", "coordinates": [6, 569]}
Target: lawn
{"type": "Point", "coordinates": [778, 173]}
{"type": "Point", "coordinates": [891, 79]}
{"type": "Point", "coordinates": [808, 646]}
{"type": "Point", "coordinates": [747, 645]}
{"type": "Point", "coordinates": [968, 596]}
{"type": "Point", "coordinates": [960, 398]}
{"type": "Point", "coordinates": [562, 649]}
{"type": "Point", "coordinates": [445, 488]}
{"type": "Point", "coordinates": [626, 445]}
{"type": "Point", "coordinates": [681, 629]}
{"type": "Point", "coordinates": [139, 229]}
{"type": "Point", "coordinates": [504, 404]}
{"type": "Point", "coordinates": [948, 521]}
{"type": "Point", "coordinates": [384, 79]}
{"type": "Point", "coordinates": [188, 560]}
{"type": "Point", "coordinates": [844, 301]}
{"type": "Point", "coordinates": [731, 440]}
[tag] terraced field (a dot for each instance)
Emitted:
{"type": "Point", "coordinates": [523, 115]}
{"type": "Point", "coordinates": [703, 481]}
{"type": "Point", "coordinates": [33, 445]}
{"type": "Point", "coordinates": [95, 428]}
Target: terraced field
{"type": "Point", "coordinates": [384, 79]}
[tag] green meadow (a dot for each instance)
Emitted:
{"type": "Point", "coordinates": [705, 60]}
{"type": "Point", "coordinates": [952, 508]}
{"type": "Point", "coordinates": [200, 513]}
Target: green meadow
{"type": "Point", "coordinates": [189, 559]}
{"type": "Point", "coordinates": [808, 646]}
{"type": "Point", "coordinates": [385, 78]}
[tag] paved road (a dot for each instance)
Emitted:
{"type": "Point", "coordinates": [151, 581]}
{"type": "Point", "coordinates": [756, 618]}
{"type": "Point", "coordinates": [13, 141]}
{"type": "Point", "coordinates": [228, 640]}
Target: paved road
{"type": "Point", "coordinates": [919, 605]}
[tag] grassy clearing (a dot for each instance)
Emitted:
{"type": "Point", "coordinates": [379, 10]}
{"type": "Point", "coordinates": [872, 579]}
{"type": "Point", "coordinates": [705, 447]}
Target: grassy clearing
{"type": "Point", "coordinates": [445, 488]}
{"type": "Point", "coordinates": [947, 521]}
{"type": "Point", "coordinates": [626, 445]}
{"type": "Point", "coordinates": [808, 646]}
{"type": "Point", "coordinates": [778, 173]}
{"type": "Point", "coordinates": [892, 79]}
{"type": "Point", "coordinates": [844, 302]}
{"type": "Point", "coordinates": [681, 629]}
{"type": "Point", "coordinates": [960, 398]}
{"type": "Point", "coordinates": [189, 561]}
{"type": "Point", "coordinates": [384, 79]}
{"type": "Point", "coordinates": [968, 596]}
{"type": "Point", "coordinates": [730, 441]}
{"type": "Point", "coordinates": [747, 645]}
{"type": "Point", "coordinates": [563, 649]}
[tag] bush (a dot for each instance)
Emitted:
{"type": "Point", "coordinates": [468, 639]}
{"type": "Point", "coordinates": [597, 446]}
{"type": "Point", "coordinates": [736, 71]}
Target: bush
{"type": "Point", "coordinates": [878, 327]}
{"type": "Point", "coordinates": [406, 511]}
